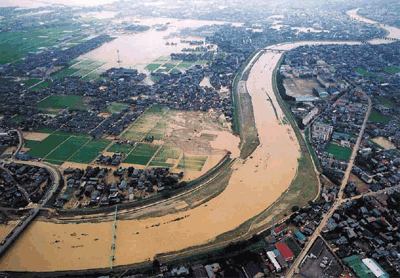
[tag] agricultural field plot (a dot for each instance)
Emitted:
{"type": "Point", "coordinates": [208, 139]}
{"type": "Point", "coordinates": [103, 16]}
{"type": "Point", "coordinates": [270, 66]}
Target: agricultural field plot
{"type": "Point", "coordinates": [201, 62]}
{"type": "Point", "coordinates": [166, 157]}
{"type": "Point", "coordinates": [42, 148]}
{"type": "Point", "coordinates": [55, 162]}
{"type": "Point", "coordinates": [81, 104]}
{"type": "Point", "coordinates": [162, 59]}
{"type": "Point", "coordinates": [377, 117]}
{"type": "Point", "coordinates": [153, 67]}
{"type": "Point", "coordinates": [339, 152]}
{"type": "Point", "coordinates": [90, 151]}
{"type": "Point", "coordinates": [186, 65]}
{"type": "Point", "coordinates": [58, 102]}
{"type": "Point", "coordinates": [88, 69]}
{"type": "Point", "coordinates": [31, 143]}
{"type": "Point", "coordinates": [194, 163]}
{"type": "Point", "coordinates": [145, 124]}
{"type": "Point", "coordinates": [141, 154]}
{"type": "Point", "coordinates": [65, 73]}
{"type": "Point", "coordinates": [125, 149]}
{"type": "Point", "coordinates": [30, 82]}
{"type": "Point", "coordinates": [116, 107]}
{"type": "Point", "coordinates": [92, 76]}
{"type": "Point", "coordinates": [16, 45]}
{"type": "Point", "coordinates": [67, 149]}
{"type": "Point", "coordinates": [82, 72]}
{"type": "Point", "coordinates": [41, 85]}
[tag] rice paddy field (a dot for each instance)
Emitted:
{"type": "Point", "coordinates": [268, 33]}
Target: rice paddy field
{"type": "Point", "coordinates": [175, 139]}
{"type": "Point", "coordinates": [58, 102]}
{"type": "Point", "coordinates": [142, 154]}
{"type": "Point", "coordinates": [90, 151]}
{"type": "Point", "coordinates": [143, 127]}
{"type": "Point", "coordinates": [166, 157]}
{"type": "Point", "coordinates": [116, 107]}
{"type": "Point", "coordinates": [167, 65]}
{"type": "Point", "coordinates": [194, 163]}
{"type": "Point", "coordinates": [17, 45]}
{"type": "Point", "coordinates": [67, 149]}
{"type": "Point", "coordinates": [125, 149]}
{"type": "Point", "coordinates": [42, 148]}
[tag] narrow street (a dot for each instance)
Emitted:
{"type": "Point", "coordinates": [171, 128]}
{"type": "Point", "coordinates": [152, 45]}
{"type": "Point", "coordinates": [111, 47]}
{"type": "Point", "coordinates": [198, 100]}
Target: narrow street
{"type": "Point", "coordinates": [295, 267]}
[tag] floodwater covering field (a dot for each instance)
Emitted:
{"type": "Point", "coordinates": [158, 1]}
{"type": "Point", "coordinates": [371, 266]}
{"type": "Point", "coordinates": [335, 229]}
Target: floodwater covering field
{"type": "Point", "coordinates": [255, 184]}
{"type": "Point", "coordinates": [138, 50]}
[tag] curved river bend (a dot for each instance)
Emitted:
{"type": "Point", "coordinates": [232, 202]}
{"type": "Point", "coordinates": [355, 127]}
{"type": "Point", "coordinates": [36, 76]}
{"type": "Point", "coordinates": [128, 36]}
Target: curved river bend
{"type": "Point", "coordinates": [255, 184]}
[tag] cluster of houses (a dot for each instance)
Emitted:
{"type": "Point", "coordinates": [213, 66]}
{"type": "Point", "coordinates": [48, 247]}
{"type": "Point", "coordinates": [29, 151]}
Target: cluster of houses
{"type": "Point", "coordinates": [376, 168]}
{"type": "Point", "coordinates": [268, 260]}
{"type": "Point", "coordinates": [368, 228]}
{"type": "Point", "coordinates": [36, 64]}
{"type": "Point", "coordinates": [18, 178]}
{"type": "Point", "coordinates": [8, 139]}
{"type": "Point", "coordinates": [107, 160]}
{"type": "Point", "coordinates": [102, 186]}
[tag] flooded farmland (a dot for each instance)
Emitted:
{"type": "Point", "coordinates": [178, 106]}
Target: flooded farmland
{"type": "Point", "coordinates": [255, 184]}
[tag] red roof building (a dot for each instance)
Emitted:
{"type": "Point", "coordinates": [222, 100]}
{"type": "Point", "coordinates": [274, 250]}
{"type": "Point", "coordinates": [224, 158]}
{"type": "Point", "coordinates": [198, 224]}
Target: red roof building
{"type": "Point", "coordinates": [285, 251]}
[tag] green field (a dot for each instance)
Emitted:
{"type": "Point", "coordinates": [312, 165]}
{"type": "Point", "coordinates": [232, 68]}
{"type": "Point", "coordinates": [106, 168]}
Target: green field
{"type": "Point", "coordinates": [55, 162]}
{"type": "Point", "coordinates": [67, 149]}
{"type": "Point", "coordinates": [31, 143]}
{"type": "Point", "coordinates": [377, 118]}
{"type": "Point", "coordinates": [163, 155]}
{"type": "Point", "coordinates": [194, 163]}
{"type": "Point", "coordinates": [141, 154]}
{"type": "Point", "coordinates": [90, 151]}
{"type": "Point", "coordinates": [30, 82]}
{"type": "Point", "coordinates": [363, 72]}
{"type": "Point", "coordinates": [339, 152]}
{"type": "Point", "coordinates": [144, 125]}
{"type": "Point", "coordinates": [16, 45]}
{"type": "Point", "coordinates": [120, 148]}
{"type": "Point", "coordinates": [169, 152]}
{"type": "Point", "coordinates": [392, 70]}
{"type": "Point", "coordinates": [386, 102]}
{"type": "Point", "coordinates": [41, 85]}
{"type": "Point", "coordinates": [65, 73]}
{"type": "Point", "coordinates": [58, 102]}
{"type": "Point", "coordinates": [116, 107]}
{"type": "Point", "coordinates": [153, 67]}
{"type": "Point", "coordinates": [185, 65]}
{"type": "Point", "coordinates": [47, 145]}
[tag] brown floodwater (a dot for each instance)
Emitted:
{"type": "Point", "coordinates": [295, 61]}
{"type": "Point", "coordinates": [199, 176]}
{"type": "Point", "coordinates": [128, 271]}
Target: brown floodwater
{"type": "Point", "coordinates": [255, 184]}
{"type": "Point", "coordinates": [138, 50]}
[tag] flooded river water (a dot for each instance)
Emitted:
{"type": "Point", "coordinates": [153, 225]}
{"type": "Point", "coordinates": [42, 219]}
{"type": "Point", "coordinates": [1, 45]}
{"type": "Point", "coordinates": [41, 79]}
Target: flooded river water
{"type": "Point", "coordinates": [255, 184]}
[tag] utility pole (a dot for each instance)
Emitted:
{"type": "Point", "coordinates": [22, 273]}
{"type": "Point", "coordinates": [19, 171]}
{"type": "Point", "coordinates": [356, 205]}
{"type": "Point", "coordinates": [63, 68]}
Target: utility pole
{"type": "Point", "coordinates": [119, 61]}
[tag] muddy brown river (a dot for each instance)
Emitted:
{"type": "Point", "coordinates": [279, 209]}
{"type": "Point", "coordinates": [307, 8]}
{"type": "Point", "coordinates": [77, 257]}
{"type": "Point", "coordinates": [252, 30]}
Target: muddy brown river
{"type": "Point", "coordinates": [255, 184]}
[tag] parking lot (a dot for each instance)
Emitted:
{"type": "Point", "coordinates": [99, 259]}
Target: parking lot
{"type": "Point", "coordinates": [324, 266]}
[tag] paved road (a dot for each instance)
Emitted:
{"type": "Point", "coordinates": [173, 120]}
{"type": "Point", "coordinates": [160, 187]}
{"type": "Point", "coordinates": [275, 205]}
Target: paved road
{"type": "Point", "coordinates": [295, 267]}
{"type": "Point", "coordinates": [21, 140]}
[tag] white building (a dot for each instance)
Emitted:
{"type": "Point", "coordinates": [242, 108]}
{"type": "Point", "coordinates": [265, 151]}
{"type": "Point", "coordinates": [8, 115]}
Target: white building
{"type": "Point", "coordinates": [375, 268]}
